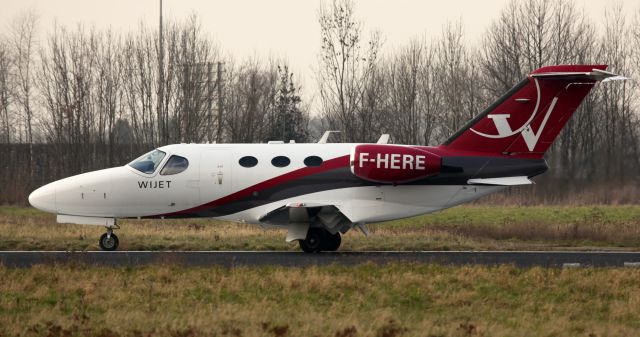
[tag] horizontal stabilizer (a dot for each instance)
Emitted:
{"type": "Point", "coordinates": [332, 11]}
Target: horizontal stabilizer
{"type": "Point", "coordinates": [595, 75]}
{"type": "Point", "coordinates": [502, 181]}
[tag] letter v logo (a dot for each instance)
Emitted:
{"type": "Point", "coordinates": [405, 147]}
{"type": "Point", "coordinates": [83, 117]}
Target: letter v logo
{"type": "Point", "coordinates": [530, 137]}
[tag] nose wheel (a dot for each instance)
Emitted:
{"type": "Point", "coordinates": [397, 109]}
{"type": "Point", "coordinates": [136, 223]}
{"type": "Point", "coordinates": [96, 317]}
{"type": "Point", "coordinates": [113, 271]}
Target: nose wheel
{"type": "Point", "coordinates": [109, 241]}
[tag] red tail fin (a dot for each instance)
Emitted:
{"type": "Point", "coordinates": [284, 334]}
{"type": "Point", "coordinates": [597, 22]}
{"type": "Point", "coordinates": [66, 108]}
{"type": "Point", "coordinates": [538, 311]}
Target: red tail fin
{"type": "Point", "coordinates": [527, 119]}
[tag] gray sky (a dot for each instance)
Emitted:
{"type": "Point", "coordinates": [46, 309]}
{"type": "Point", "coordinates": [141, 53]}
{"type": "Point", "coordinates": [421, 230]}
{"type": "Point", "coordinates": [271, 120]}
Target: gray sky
{"type": "Point", "coordinates": [278, 28]}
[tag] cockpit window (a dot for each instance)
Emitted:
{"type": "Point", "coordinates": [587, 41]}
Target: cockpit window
{"type": "Point", "coordinates": [148, 163]}
{"type": "Point", "coordinates": [174, 165]}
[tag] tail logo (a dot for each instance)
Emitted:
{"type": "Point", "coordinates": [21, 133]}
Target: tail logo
{"type": "Point", "coordinates": [531, 138]}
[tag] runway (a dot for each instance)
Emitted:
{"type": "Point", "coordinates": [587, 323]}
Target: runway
{"type": "Point", "coordinates": [299, 259]}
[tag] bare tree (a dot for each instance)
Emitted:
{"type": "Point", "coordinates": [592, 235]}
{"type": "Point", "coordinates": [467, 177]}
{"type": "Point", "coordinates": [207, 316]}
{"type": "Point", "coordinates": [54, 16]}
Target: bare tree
{"type": "Point", "coordinates": [249, 98]}
{"type": "Point", "coordinates": [401, 78]}
{"type": "Point", "coordinates": [346, 65]}
{"type": "Point", "coordinates": [457, 81]}
{"type": "Point", "coordinates": [530, 34]}
{"type": "Point", "coordinates": [6, 129]}
{"type": "Point", "coordinates": [618, 125]}
{"type": "Point", "coordinates": [109, 89]}
{"type": "Point", "coordinates": [23, 44]}
{"type": "Point", "coordinates": [193, 119]}
{"type": "Point", "coordinates": [94, 96]}
{"type": "Point", "coordinates": [373, 120]}
{"type": "Point", "coordinates": [67, 82]}
{"type": "Point", "coordinates": [139, 85]}
{"type": "Point", "coordinates": [635, 33]}
{"type": "Point", "coordinates": [188, 85]}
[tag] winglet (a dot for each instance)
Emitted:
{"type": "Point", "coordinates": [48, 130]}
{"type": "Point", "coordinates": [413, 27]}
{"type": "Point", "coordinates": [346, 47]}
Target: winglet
{"type": "Point", "coordinates": [384, 139]}
{"type": "Point", "coordinates": [325, 137]}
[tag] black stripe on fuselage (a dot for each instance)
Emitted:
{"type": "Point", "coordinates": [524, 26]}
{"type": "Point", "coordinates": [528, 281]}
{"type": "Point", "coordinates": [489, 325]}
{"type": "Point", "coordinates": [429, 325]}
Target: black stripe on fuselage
{"type": "Point", "coordinates": [455, 171]}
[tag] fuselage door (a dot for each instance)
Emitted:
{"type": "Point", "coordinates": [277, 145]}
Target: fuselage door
{"type": "Point", "coordinates": [215, 174]}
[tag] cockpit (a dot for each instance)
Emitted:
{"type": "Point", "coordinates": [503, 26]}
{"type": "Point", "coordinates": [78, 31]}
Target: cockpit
{"type": "Point", "coordinates": [149, 163]}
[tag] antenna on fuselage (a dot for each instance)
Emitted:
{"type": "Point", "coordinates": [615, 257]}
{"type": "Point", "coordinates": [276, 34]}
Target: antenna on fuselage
{"type": "Point", "coordinates": [325, 136]}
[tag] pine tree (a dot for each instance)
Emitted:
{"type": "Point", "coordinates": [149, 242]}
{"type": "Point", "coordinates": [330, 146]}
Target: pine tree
{"type": "Point", "coordinates": [290, 121]}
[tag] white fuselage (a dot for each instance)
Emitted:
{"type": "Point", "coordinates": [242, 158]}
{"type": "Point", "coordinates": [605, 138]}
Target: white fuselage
{"type": "Point", "coordinates": [214, 175]}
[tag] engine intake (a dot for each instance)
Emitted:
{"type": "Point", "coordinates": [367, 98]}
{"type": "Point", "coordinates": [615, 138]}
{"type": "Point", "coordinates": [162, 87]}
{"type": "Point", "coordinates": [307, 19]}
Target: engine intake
{"type": "Point", "coordinates": [393, 164]}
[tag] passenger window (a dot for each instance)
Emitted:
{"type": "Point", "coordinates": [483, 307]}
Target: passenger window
{"type": "Point", "coordinates": [248, 161]}
{"type": "Point", "coordinates": [313, 161]}
{"type": "Point", "coordinates": [174, 165]}
{"type": "Point", "coordinates": [280, 161]}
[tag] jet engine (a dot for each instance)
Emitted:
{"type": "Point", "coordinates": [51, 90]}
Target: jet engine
{"type": "Point", "coordinates": [393, 164]}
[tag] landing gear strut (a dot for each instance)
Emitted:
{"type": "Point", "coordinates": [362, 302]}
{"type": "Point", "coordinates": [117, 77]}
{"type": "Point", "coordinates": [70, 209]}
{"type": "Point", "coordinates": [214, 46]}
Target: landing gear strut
{"type": "Point", "coordinates": [319, 239]}
{"type": "Point", "coordinates": [108, 240]}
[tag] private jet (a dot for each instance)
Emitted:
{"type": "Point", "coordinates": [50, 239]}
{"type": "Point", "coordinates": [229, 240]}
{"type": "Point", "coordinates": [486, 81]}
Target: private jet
{"type": "Point", "coordinates": [319, 191]}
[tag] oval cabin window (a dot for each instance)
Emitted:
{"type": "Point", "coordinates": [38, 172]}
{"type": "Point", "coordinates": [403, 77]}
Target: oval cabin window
{"type": "Point", "coordinates": [313, 161]}
{"type": "Point", "coordinates": [248, 161]}
{"type": "Point", "coordinates": [280, 161]}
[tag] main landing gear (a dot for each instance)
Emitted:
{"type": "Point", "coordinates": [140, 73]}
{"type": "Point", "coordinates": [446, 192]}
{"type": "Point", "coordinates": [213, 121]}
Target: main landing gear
{"type": "Point", "coordinates": [320, 239]}
{"type": "Point", "coordinates": [108, 240]}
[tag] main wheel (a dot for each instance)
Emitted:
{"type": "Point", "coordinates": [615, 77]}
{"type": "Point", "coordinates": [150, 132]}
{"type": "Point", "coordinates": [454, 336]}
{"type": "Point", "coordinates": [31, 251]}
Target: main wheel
{"type": "Point", "coordinates": [332, 242]}
{"type": "Point", "coordinates": [109, 243]}
{"type": "Point", "coordinates": [314, 241]}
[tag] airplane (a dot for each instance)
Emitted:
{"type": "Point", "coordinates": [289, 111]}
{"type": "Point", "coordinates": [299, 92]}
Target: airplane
{"type": "Point", "coordinates": [319, 191]}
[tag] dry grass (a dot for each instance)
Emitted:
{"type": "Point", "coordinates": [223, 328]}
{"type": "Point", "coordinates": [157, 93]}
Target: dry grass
{"type": "Point", "coordinates": [366, 300]}
{"type": "Point", "coordinates": [467, 227]}
{"type": "Point", "coordinates": [341, 301]}
{"type": "Point", "coordinates": [550, 190]}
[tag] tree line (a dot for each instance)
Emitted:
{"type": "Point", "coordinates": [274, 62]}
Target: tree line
{"type": "Point", "coordinates": [85, 98]}
{"type": "Point", "coordinates": [424, 91]}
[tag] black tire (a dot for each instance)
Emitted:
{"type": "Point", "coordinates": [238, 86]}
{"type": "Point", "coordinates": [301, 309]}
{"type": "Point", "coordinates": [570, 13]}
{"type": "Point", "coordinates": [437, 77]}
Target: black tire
{"type": "Point", "coordinates": [332, 242]}
{"type": "Point", "coordinates": [313, 243]}
{"type": "Point", "coordinates": [109, 244]}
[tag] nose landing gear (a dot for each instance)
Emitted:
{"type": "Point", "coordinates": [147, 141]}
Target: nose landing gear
{"type": "Point", "coordinates": [108, 240]}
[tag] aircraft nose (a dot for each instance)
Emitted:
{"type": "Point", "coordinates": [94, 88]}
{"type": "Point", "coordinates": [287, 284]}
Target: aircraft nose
{"type": "Point", "coordinates": [44, 198]}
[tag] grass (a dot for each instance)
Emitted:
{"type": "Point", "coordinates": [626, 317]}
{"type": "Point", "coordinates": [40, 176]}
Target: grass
{"type": "Point", "coordinates": [337, 301]}
{"type": "Point", "coordinates": [364, 300]}
{"type": "Point", "coordinates": [465, 227]}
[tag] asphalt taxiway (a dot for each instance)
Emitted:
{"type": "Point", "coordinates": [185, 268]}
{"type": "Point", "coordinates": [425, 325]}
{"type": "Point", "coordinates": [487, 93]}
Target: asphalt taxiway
{"type": "Point", "coordinates": [299, 259]}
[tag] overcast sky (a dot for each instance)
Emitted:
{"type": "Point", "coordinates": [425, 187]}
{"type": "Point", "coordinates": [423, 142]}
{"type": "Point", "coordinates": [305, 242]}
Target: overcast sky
{"type": "Point", "coordinates": [278, 28]}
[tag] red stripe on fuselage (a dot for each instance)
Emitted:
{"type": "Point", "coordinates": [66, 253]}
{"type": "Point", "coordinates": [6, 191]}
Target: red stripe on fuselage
{"type": "Point", "coordinates": [293, 175]}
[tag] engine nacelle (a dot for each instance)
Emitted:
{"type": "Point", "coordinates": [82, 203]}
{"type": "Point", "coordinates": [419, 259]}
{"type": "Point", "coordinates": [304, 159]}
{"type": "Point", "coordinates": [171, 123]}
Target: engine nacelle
{"type": "Point", "coordinates": [393, 164]}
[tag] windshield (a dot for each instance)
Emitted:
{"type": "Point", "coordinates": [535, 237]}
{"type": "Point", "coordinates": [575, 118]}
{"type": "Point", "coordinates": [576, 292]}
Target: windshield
{"type": "Point", "coordinates": [148, 162]}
